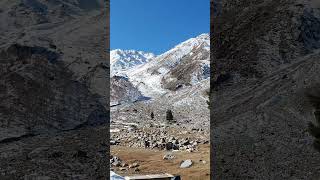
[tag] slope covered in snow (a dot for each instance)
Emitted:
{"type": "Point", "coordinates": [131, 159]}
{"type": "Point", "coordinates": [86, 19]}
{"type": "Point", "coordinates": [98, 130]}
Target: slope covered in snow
{"type": "Point", "coordinates": [122, 60]}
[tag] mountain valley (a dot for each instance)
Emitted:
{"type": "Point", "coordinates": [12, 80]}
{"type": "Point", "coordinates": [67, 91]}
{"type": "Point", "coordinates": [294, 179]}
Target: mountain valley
{"type": "Point", "coordinates": [141, 96]}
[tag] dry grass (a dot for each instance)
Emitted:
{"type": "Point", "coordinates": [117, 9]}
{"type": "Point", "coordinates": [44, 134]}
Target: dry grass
{"type": "Point", "coordinates": [151, 162]}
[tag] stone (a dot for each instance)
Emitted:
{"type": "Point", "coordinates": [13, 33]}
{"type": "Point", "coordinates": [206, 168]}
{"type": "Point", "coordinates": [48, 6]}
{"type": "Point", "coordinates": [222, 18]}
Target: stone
{"type": "Point", "coordinates": [171, 139]}
{"type": "Point", "coordinates": [116, 163]}
{"type": "Point", "coordinates": [186, 163]}
{"type": "Point", "coordinates": [146, 144]}
{"type": "Point", "coordinates": [176, 147]}
{"type": "Point", "coordinates": [123, 169]}
{"type": "Point", "coordinates": [169, 146]}
{"type": "Point", "coordinates": [189, 150]}
{"type": "Point", "coordinates": [124, 164]}
{"type": "Point", "coordinates": [136, 170]}
{"type": "Point", "coordinates": [134, 165]}
{"type": "Point", "coordinates": [131, 129]}
{"type": "Point", "coordinates": [205, 142]}
{"type": "Point", "coordinates": [113, 142]}
{"type": "Point", "coordinates": [186, 142]}
{"type": "Point", "coordinates": [168, 157]}
{"type": "Point", "coordinates": [175, 141]}
{"type": "Point", "coordinates": [204, 162]}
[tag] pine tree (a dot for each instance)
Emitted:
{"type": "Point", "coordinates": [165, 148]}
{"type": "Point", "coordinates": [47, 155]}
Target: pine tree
{"type": "Point", "coordinates": [209, 101]}
{"type": "Point", "coordinates": [169, 115]}
{"type": "Point", "coordinates": [152, 115]}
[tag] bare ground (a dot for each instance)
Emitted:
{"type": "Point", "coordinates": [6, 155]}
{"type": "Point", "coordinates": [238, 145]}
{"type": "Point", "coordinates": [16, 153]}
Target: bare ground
{"type": "Point", "coordinates": [151, 162]}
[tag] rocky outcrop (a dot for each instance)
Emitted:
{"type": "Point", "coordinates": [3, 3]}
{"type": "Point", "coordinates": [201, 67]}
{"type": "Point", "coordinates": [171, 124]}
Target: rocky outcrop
{"type": "Point", "coordinates": [122, 91]}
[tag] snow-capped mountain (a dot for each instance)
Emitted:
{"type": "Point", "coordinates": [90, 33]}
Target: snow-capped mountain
{"type": "Point", "coordinates": [185, 65]}
{"type": "Point", "coordinates": [122, 60]}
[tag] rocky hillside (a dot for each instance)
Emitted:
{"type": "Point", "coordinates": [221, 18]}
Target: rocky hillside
{"type": "Point", "coordinates": [254, 38]}
{"type": "Point", "coordinates": [54, 79]}
{"type": "Point", "coordinates": [39, 95]}
{"type": "Point", "coordinates": [265, 58]}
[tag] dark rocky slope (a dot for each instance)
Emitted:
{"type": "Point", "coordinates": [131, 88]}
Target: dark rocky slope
{"type": "Point", "coordinates": [265, 57]}
{"type": "Point", "coordinates": [253, 38]}
{"type": "Point", "coordinates": [53, 89]}
{"type": "Point", "coordinates": [39, 95]}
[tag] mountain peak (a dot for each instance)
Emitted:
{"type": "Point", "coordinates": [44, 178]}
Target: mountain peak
{"type": "Point", "coordinates": [203, 36]}
{"type": "Point", "coordinates": [122, 60]}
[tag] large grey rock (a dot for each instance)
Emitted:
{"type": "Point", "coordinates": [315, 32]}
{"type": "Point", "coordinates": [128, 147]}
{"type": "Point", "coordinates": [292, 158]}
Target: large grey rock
{"type": "Point", "coordinates": [186, 163]}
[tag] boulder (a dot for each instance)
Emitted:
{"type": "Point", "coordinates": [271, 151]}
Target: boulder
{"type": "Point", "coordinates": [186, 163]}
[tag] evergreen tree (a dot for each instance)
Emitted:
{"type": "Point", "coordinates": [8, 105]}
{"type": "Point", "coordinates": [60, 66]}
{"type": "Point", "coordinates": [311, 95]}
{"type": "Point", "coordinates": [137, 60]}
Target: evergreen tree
{"type": "Point", "coordinates": [209, 101]}
{"type": "Point", "coordinates": [152, 115]}
{"type": "Point", "coordinates": [169, 115]}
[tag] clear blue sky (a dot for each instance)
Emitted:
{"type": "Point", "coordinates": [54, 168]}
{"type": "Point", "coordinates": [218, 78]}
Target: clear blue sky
{"type": "Point", "coordinates": [156, 25]}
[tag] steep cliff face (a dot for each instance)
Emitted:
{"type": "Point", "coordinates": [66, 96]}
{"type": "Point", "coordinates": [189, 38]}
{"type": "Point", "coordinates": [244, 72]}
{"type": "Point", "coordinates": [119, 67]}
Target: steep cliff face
{"type": "Point", "coordinates": [264, 58]}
